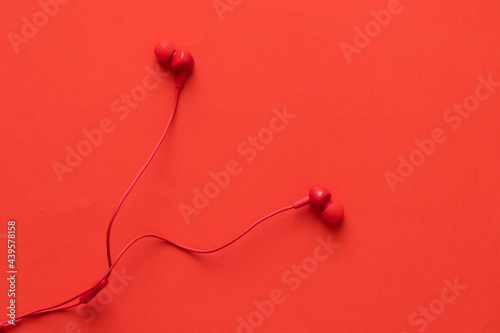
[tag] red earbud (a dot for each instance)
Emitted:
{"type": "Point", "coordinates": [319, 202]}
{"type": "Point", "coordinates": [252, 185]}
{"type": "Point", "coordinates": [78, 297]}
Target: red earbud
{"type": "Point", "coordinates": [321, 200]}
{"type": "Point", "coordinates": [181, 60]}
{"type": "Point", "coordinates": [164, 50]}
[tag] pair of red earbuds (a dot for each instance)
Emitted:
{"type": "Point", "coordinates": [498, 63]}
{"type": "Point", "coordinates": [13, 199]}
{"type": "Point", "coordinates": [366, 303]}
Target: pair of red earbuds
{"type": "Point", "coordinates": [181, 62]}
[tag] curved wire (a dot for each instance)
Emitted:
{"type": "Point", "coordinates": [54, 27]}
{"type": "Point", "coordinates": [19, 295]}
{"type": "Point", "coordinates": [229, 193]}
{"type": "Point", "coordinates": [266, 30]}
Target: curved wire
{"type": "Point", "coordinates": [108, 233]}
{"type": "Point", "coordinates": [112, 264]}
{"type": "Point", "coordinates": [59, 307]}
{"type": "Point", "coordinates": [29, 315]}
{"type": "Point", "coordinates": [194, 250]}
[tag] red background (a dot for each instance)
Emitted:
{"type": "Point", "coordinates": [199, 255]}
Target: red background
{"type": "Point", "coordinates": [396, 249]}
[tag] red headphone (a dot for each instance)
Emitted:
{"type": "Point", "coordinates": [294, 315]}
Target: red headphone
{"type": "Point", "coordinates": [181, 62]}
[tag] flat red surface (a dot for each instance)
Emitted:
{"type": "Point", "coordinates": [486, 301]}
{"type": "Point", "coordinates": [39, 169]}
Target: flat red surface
{"type": "Point", "coordinates": [397, 121]}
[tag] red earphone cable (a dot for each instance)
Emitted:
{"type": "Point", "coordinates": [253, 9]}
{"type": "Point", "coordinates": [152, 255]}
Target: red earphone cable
{"type": "Point", "coordinates": [193, 250]}
{"type": "Point", "coordinates": [61, 306]}
{"type": "Point", "coordinates": [42, 311]}
{"type": "Point", "coordinates": [108, 234]}
{"type": "Point", "coordinates": [96, 288]}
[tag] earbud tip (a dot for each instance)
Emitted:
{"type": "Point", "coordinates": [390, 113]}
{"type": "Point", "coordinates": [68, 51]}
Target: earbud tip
{"type": "Point", "coordinates": [319, 197]}
{"type": "Point", "coordinates": [182, 61]}
{"type": "Point", "coordinates": [334, 212]}
{"type": "Point", "coordinates": [164, 50]}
